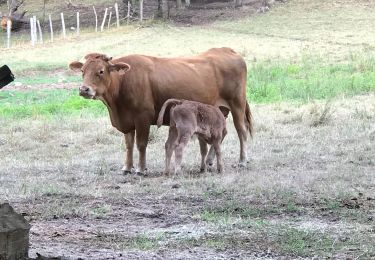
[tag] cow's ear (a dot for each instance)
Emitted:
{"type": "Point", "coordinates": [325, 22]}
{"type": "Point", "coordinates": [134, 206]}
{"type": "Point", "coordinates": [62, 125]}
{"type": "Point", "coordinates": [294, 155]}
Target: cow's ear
{"type": "Point", "coordinates": [76, 66]}
{"type": "Point", "coordinates": [120, 67]}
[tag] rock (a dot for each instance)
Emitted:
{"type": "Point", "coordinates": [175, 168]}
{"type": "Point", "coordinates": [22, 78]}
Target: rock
{"type": "Point", "coordinates": [14, 234]}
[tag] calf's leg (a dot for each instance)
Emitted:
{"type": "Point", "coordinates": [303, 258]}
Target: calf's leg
{"type": "Point", "coordinates": [182, 140]}
{"type": "Point", "coordinates": [170, 145]}
{"type": "Point", "coordinates": [216, 145]}
{"type": "Point", "coordinates": [203, 148]}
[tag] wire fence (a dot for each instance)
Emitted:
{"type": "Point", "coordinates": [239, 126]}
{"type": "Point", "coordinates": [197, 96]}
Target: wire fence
{"type": "Point", "coordinates": [38, 36]}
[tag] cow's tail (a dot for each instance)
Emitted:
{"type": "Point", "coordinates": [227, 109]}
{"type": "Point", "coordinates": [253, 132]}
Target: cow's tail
{"type": "Point", "coordinates": [249, 120]}
{"type": "Point", "coordinates": [171, 101]}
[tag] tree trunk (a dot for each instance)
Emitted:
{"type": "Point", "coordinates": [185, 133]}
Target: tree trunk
{"type": "Point", "coordinates": [187, 3]}
{"type": "Point", "coordinates": [165, 9]}
{"type": "Point", "coordinates": [179, 4]}
{"type": "Point", "coordinates": [237, 3]}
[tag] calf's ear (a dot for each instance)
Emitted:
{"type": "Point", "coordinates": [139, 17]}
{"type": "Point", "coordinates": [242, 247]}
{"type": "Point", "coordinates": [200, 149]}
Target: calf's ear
{"type": "Point", "coordinates": [120, 67]}
{"type": "Point", "coordinates": [76, 66]}
{"type": "Point", "coordinates": [224, 110]}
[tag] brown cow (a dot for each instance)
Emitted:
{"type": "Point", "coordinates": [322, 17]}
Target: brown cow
{"type": "Point", "coordinates": [135, 87]}
{"type": "Point", "coordinates": [188, 118]}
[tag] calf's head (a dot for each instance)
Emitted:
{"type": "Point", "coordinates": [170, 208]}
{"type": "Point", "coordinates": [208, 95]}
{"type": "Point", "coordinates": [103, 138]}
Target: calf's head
{"type": "Point", "coordinates": [96, 73]}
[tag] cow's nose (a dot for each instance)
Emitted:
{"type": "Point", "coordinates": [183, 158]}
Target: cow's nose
{"type": "Point", "coordinates": [83, 89]}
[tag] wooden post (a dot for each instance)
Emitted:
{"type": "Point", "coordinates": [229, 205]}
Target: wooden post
{"type": "Point", "coordinates": [9, 28]}
{"type": "Point", "coordinates": [117, 16]}
{"type": "Point", "coordinates": [40, 32]}
{"type": "Point", "coordinates": [105, 16]}
{"type": "Point", "coordinates": [77, 23]}
{"type": "Point", "coordinates": [32, 31]}
{"type": "Point", "coordinates": [96, 19]}
{"type": "Point", "coordinates": [63, 25]}
{"type": "Point", "coordinates": [141, 11]}
{"type": "Point", "coordinates": [109, 19]}
{"type": "Point", "coordinates": [128, 16]}
{"type": "Point", "coordinates": [50, 27]}
{"type": "Point", "coordinates": [14, 234]}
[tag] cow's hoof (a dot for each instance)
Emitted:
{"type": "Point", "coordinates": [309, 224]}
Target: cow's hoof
{"type": "Point", "coordinates": [126, 171]}
{"type": "Point", "coordinates": [140, 173]}
{"type": "Point", "coordinates": [240, 165]}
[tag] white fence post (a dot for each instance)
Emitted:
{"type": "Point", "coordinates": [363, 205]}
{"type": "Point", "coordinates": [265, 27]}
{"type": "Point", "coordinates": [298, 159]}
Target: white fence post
{"type": "Point", "coordinates": [63, 25]}
{"type": "Point", "coordinates": [50, 27]}
{"type": "Point", "coordinates": [96, 19]}
{"type": "Point", "coordinates": [9, 28]}
{"type": "Point", "coordinates": [40, 32]}
{"type": "Point", "coordinates": [35, 29]}
{"type": "Point", "coordinates": [128, 16]}
{"type": "Point", "coordinates": [105, 16]}
{"type": "Point", "coordinates": [77, 23]}
{"type": "Point", "coordinates": [109, 19]}
{"type": "Point", "coordinates": [141, 11]}
{"type": "Point", "coordinates": [117, 16]}
{"type": "Point", "coordinates": [32, 31]}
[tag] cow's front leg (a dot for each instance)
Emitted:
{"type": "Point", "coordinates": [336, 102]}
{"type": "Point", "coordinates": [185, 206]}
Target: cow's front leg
{"type": "Point", "coordinates": [129, 144]}
{"type": "Point", "coordinates": [142, 133]}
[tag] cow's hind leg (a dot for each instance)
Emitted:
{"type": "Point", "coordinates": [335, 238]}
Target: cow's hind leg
{"type": "Point", "coordinates": [203, 148]}
{"type": "Point", "coordinates": [170, 145]}
{"type": "Point", "coordinates": [129, 144]}
{"type": "Point", "coordinates": [239, 123]}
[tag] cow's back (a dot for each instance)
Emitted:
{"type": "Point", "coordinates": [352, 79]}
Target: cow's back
{"type": "Point", "coordinates": [213, 77]}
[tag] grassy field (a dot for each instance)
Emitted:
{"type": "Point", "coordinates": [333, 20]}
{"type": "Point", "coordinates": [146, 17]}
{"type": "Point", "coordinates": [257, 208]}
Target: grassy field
{"type": "Point", "coordinates": [307, 192]}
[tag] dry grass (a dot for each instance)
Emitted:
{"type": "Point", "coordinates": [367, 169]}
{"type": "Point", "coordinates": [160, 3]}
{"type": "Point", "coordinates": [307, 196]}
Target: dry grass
{"type": "Point", "coordinates": [299, 185]}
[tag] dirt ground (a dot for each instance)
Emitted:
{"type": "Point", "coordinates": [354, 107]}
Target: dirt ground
{"type": "Point", "coordinates": [308, 190]}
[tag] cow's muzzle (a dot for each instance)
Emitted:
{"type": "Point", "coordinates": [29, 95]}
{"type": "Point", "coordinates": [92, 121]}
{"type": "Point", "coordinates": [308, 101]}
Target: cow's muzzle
{"type": "Point", "coordinates": [86, 92]}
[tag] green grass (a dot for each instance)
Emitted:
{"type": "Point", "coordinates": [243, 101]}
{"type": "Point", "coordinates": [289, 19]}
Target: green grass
{"type": "Point", "coordinates": [268, 81]}
{"type": "Point", "coordinates": [311, 78]}
{"type": "Point", "coordinates": [47, 103]}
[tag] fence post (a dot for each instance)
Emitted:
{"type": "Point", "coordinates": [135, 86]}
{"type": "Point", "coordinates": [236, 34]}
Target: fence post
{"type": "Point", "coordinates": [35, 29]}
{"type": "Point", "coordinates": [32, 31]}
{"type": "Point", "coordinates": [96, 19]}
{"type": "Point", "coordinates": [9, 28]}
{"type": "Point", "coordinates": [77, 23]}
{"type": "Point", "coordinates": [50, 27]}
{"type": "Point", "coordinates": [63, 25]}
{"type": "Point", "coordinates": [109, 18]}
{"type": "Point", "coordinates": [105, 16]}
{"type": "Point", "coordinates": [40, 32]}
{"type": "Point", "coordinates": [117, 16]}
{"type": "Point", "coordinates": [128, 16]}
{"type": "Point", "coordinates": [141, 11]}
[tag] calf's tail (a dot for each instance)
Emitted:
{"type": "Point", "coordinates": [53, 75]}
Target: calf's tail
{"type": "Point", "coordinates": [171, 101]}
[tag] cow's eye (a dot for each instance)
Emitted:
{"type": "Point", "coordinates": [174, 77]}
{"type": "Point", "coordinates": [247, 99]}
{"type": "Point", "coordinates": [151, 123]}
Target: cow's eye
{"type": "Point", "coordinates": [101, 72]}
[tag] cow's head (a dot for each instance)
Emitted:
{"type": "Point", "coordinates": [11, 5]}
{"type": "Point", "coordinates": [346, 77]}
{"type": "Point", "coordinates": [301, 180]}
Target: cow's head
{"type": "Point", "coordinates": [96, 73]}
